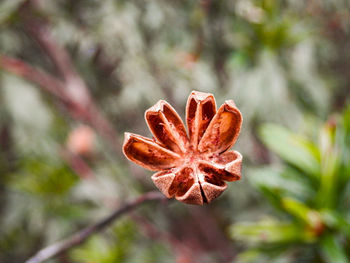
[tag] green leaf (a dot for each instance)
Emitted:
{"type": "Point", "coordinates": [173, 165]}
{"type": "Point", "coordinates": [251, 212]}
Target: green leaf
{"type": "Point", "coordinates": [292, 148]}
{"type": "Point", "coordinates": [303, 213]}
{"type": "Point", "coordinates": [270, 232]}
{"type": "Point", "coordinates": [111, 248]}
{"type": "Point", "coordinates": [343, 144]}
{"type": "Point", "coordinates": [249, 256]}
{"type": "Point", "coordinates": [266, 254]}
{"type": "Point", "coordinates": [336, 221]}
{"type": "Point", "coordinates": [46, 178]}
{"type": "Point", "coordinates": [282, 183]}
{"type": "Point", "coordinates": [330, 161]}
{"type": "Point", "coordinates": [332, 251]}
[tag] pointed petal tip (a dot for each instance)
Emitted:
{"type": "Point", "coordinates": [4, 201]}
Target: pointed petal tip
{"type": "Point", "coordinates": [163, 181]}
{"type": "Point", "coordinates": [230, 105]}
{"type": "Point", "coordinates": [127, 136]}
{"type": "Point", "coordinates": [235, 167]}
{"type": "Point", "coordinates": [200, 96]}
{"type": "Point", "coordinates": [223, 129]}
{"type": "Point", "coordinates": [212, 191]}
{"type": "Point", "coordinates": [156, 107]}
{"type": "Point", "coordinates": [200, 109]}
{"type": "Point", "coordinates": [166, 126]}
{"type": "Point", "coordinates": [148, 154]}
{"type": "Point", "coordinates": [193, 196]}
{"type": "Point", "coordinates": [227, 166]}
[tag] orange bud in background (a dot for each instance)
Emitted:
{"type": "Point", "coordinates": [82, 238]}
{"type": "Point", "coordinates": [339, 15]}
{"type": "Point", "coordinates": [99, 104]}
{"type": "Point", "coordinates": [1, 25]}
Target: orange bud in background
{"type": "Point", "coordinates": [81, 140]}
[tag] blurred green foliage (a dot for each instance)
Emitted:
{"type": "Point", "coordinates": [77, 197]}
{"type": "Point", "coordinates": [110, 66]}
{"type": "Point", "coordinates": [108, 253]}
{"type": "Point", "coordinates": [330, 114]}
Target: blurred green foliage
{"type": "Point", "coordinates": [118, 246]}
{"type": "Point", "coordinates": [283, 62]}
{"type": "Point", "coordinates": [309, 193]}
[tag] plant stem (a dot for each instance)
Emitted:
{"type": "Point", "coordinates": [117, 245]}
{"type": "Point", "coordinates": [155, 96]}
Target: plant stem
{"type": "Point", "coordinates": [82, 235]}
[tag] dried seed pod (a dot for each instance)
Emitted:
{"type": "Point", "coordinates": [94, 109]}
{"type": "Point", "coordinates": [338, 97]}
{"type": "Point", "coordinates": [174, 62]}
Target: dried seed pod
{"type": "Point", "coordinates": [193, 168]}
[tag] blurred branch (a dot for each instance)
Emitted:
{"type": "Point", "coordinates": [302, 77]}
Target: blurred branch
{"type": "Point", "coordinates": [24, 70]}
{"type": "Point", "coordinates": [86, 113]}
{"type": "Point", "coordinates": [70, 88]}
{"type": "Point", "coordinates": [81, 236]}
{"type": "Point", "coordinates": [38, 27]}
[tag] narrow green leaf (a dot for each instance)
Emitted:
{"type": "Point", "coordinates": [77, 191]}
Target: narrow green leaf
{"type": "Point", "coordinates": [282, 183]}
{"type": "Point", "coordinates": [336, 221]}
{"type": "Point", "coordinates": [303, 213]}
{"type": "Point", "coordinates": [332, 251]}
{"type": "Point", "coordinates": [270, 232]}
{"type": "Point", "coordinates": [330, 161]}
{"type": "Point", "coordinates": [292, 148]}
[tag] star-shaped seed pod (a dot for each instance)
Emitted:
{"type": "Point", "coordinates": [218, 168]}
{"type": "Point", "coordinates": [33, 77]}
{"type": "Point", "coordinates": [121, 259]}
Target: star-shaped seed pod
{"type": "Point", "coordinates": [192, 168]}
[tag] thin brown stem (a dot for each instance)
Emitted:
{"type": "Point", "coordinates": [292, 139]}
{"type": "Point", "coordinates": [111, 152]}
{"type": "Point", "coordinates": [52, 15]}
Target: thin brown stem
{"type": "Point", "coordinates": [69, 87]}
{"type": "Point", "coordinates": [81, 236]}
{"type": "Point", "coordinates": [22, 69]}
{"type": "Point", "coordinates": [38, 28]}
{"type": "Point", "coordinates": [89, 114]}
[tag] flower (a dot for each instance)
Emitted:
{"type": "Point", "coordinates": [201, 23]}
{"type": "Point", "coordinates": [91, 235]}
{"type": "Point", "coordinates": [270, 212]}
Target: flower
{"type": "Point", "coordinates": [192, 168]}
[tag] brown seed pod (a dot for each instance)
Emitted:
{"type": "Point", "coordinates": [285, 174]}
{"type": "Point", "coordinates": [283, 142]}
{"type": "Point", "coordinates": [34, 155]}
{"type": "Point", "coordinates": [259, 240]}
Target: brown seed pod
{"type": "Point", "coordinates": [190, 168]}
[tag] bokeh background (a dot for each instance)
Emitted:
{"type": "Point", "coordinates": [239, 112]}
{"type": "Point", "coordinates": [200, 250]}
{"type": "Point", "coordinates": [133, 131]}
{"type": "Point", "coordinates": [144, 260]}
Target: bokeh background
{"type": "Point", "coordinates": [75, 75]}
